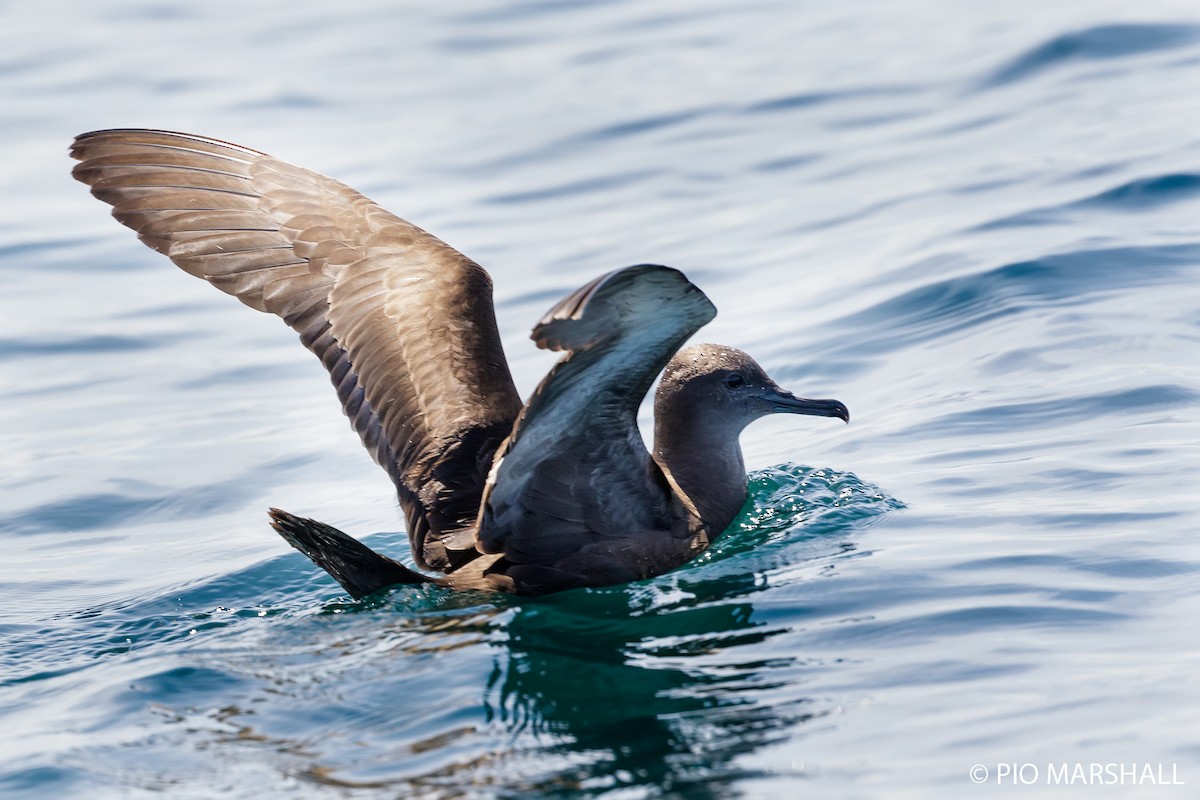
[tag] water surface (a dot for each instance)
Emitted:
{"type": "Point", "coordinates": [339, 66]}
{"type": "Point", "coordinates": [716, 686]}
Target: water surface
{"type": "Point", "coordinates": [975, 226]}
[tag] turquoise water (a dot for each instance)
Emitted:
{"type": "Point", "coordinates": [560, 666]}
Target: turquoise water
{"type": "Point", "coordinates": [975, 226]}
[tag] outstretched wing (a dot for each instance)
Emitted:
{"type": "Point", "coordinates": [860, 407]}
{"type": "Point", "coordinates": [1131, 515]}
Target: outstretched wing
{"type": "Point", "coordinates": [574, 497]}
{"type": "Point", "coordinates": [403, 322]}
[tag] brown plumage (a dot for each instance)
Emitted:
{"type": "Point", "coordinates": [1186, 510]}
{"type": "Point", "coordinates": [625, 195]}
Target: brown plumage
{"type": "Point", "coordinates": [554, 494]}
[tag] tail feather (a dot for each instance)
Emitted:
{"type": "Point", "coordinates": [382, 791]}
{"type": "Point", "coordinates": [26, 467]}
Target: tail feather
{"type": "Point", "coordinates": [359, 569]}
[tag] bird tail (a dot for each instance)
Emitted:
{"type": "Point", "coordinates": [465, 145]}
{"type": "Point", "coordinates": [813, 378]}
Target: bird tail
{"type": "Point", "coordinates": [359, 569]}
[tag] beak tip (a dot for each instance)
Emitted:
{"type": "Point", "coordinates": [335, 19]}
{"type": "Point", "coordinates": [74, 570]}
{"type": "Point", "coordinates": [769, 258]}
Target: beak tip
{"type": "Point", "coordinates": [789, 403]}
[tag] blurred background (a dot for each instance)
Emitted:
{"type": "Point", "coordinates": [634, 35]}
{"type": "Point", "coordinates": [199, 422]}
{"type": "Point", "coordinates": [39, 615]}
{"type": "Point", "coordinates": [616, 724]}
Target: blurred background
{"type": "Point", "coordinates": [975, 224]}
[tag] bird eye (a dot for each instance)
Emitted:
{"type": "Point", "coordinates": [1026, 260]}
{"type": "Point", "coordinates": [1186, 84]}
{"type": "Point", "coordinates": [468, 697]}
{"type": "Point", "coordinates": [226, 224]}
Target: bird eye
{"type": "Point", "coordinates": [734, 380]}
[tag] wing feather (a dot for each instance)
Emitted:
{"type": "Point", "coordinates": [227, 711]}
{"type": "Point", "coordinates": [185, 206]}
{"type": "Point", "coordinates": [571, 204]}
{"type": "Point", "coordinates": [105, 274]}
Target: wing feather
{"type": "Point", "coordinates": [403, 322]}
{"type": "Point", "coordinates": [574, 490]}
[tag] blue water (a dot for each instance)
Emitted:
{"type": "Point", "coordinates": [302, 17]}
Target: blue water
{"type": "Point", "coordinates": [978, 226]}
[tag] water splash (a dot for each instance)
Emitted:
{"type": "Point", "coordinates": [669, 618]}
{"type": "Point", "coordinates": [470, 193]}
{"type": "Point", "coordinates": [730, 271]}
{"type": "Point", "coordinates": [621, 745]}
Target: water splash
{"type": "Point", "coordinates": [793, 500]}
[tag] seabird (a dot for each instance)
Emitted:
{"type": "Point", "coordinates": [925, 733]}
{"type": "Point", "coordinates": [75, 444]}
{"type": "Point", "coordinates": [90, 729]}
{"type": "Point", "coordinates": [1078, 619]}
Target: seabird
{"type": "Point", "coordinates": [556, 493]}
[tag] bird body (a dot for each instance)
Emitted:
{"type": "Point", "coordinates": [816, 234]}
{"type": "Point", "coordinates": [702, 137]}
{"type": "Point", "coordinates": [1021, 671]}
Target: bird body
{"type": "Point", "coordinates": [556, 493]}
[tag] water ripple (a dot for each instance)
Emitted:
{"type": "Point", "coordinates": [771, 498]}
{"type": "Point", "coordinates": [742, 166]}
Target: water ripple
{"type": "Point", "coordinates": [1140, 195]}
{"type": "Point", "coordinates": [29, 348]}
{"type": "Point", "coordinates": [811, 99]}
{"type": "Point", "coordinates": [1102, 42]}
{"type": "Point", "coordinates": [596, 185]}
{"type": "Point", "coordinates": [1004, 418]}
{"type": "Point", "coordinates": [107, 510]}
{"type": "Point", "coordinates": [953, 305]}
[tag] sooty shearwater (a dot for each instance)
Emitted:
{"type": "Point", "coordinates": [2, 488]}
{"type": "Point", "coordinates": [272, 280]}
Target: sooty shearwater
{"type": "Point", "coordinates": [556, 493]}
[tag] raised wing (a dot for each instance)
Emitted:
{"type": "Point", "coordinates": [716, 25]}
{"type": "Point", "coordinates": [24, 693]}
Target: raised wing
{"type": "Point", "coordinates": [403, 322]}
{"type": "Point", "coordinates": [575, 493]}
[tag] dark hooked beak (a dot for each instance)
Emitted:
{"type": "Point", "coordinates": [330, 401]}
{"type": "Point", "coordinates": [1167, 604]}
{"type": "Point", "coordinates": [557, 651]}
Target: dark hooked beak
{"type": "Point", "coordinates": [783, 402]}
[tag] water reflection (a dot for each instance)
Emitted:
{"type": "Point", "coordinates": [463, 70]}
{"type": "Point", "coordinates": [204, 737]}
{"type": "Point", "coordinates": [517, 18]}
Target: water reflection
{"type": "Point", "coordinates": [636, 692]}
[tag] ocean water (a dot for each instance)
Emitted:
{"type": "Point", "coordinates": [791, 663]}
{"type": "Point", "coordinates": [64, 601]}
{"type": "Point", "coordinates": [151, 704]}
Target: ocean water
{"type": "Point", "coordinates": [977, 225]}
